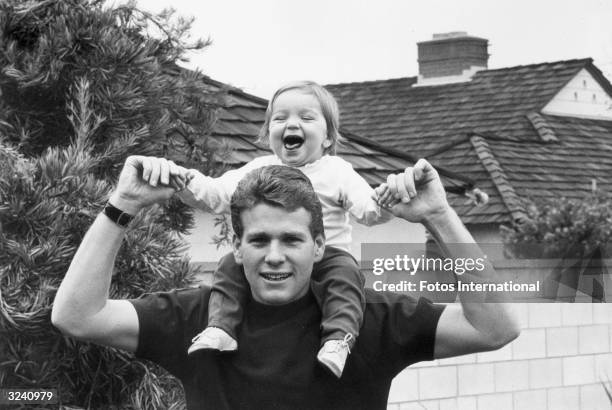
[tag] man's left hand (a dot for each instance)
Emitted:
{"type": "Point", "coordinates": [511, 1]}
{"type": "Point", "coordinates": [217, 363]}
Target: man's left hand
{"type": "Point", "coordinates": [419, 191]}
{"type": "Point", "coordinates": [144, 181]}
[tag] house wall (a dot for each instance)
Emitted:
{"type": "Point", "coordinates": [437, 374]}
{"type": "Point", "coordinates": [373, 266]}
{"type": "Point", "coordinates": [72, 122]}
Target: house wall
{"type": "Point", "coordinates": [582, 97]}
{"type": "Point", "coordinates": [489, 239]}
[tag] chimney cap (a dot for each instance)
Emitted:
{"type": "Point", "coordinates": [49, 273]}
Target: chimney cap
{"type": "Point", "coordinates": [452, 35]}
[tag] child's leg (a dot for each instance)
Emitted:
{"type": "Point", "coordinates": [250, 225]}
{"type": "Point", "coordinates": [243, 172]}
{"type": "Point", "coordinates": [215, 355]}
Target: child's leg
{"type": "Point", "coordinates": [227, 297]}
{"type": "Point", "coordinates": [337, 284]}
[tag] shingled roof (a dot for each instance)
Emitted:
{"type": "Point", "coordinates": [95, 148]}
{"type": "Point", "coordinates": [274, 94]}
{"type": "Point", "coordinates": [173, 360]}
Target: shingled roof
{"type": "Point", "coordinates": [241, 116]}
{"type": "Point", "coordinates": [491, 130]}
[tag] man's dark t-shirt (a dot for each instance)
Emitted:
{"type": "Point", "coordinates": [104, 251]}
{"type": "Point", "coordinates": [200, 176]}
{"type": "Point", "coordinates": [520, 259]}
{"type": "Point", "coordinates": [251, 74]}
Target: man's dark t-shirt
{"type": "Point", "coordinates": [276, 366]}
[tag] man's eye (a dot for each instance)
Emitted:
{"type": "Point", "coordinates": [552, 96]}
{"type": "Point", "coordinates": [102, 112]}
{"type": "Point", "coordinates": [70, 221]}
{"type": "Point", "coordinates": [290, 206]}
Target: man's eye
{"type": "Point", "coordinates": [294, 240]}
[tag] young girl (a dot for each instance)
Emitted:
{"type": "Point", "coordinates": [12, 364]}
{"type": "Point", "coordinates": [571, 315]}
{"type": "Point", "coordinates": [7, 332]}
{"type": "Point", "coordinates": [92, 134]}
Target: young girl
{"type": "Point", "coordinates": [301, 127]}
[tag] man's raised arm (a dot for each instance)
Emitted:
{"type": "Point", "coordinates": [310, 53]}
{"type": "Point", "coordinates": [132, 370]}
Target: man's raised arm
{"type": "Point", "coordinates": [483, 321]}
{"type": "Point", "coordinates": [81, 308]}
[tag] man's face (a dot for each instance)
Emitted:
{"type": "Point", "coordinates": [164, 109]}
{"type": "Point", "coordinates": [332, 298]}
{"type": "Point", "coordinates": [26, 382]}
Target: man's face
{"type": "Point", "coordinates": [277, 252]}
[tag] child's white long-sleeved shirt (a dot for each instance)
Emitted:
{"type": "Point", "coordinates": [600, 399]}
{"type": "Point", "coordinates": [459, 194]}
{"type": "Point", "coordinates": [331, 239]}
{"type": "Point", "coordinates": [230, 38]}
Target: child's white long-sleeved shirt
{"type": "Point", "coordinates": [341, 191]}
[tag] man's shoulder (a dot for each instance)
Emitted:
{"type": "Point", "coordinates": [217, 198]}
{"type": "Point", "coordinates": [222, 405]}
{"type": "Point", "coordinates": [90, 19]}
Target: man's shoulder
{"type": "Point", "coordinates": [185, 297]}
{"type": "Point", "coordinates": [384, 306]}
{"type": "Point", "coordinates": [199, 291]}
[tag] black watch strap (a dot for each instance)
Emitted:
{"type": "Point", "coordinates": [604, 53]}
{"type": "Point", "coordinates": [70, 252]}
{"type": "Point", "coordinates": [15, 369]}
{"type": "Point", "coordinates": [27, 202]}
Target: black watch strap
{"type": "Point", "coordinates": [117, 215]}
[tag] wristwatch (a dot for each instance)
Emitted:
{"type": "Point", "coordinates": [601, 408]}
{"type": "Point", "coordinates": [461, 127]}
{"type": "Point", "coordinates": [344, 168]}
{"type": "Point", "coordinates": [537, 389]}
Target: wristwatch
{"type": "Point", "coordinates": [117, 215]}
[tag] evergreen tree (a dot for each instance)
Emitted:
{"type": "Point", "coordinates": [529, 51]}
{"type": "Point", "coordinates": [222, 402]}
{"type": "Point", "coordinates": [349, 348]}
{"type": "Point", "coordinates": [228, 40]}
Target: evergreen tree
{"type": "Point", "coordinates": [82, 87]}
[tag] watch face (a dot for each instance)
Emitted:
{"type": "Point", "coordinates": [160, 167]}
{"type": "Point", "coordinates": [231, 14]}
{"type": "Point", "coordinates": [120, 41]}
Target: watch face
{"type": "Point", "coordinates": [124, 219]}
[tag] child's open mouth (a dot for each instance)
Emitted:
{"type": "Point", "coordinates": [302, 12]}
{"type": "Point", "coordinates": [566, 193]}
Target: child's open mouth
{"type": "Point", "coordinates": [292, 142]}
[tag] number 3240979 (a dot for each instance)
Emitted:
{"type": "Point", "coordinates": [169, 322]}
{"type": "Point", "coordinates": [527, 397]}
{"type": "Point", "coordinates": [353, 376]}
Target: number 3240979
{"type": "Point", "coordinates": [24, 396]}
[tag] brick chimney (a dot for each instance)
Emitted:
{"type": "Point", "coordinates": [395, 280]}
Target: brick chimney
{"type": "Point", "coordinates": [451, 57]}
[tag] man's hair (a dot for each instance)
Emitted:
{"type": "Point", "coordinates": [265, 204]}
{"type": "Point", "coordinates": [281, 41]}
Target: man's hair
{"type": "Point", "coordinates": [279, 186]}
{"type": "Point", "coordinates": [329, 108]}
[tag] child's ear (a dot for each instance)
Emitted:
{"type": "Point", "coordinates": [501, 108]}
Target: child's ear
{"type": "Point", "coordinates": [327, 143]}
{"type": "Point", "coordinates": [236, 245]}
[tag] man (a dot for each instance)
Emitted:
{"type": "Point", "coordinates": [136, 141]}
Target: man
{"type": "Point", "coordinates": [278, 236]}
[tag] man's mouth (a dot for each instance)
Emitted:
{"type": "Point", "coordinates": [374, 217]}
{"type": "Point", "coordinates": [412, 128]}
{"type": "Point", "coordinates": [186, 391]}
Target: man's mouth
{"type": "Point", "coordinates": [292, 142]}
{"type": "Point", "coordinates": [275, 277]}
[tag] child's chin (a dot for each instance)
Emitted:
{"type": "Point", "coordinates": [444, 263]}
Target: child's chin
{"type": "Point", "coordinates": [292, 159]}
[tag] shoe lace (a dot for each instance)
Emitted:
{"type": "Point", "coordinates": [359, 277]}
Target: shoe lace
{"type": "Point", "coordinates": [197, 337]}
{"type": "Point", "coordinates": [345, 342]}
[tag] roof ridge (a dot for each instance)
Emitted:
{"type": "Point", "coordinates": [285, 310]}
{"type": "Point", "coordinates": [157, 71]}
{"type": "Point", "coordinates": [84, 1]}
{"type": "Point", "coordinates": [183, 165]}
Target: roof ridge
{"type": "Point", "coordinates": [539, 123]}
{"type": "Point", "coordinates": [584, 61]}
{"type": "Point", "coordinates": [234, 90]}
{"type": "Point", "coordinates": [508, 195]}
{"type": "Point", "coordinates": [414, 78]}
{"type": "Point", "coordinates": [367, 142]}
{"type": "Point", "coordinates": [599, 77]}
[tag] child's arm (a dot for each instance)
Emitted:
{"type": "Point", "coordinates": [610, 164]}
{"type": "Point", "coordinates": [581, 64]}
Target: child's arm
{"type": "Point", "coordinates": [193, 188]}
{"type": "Point", "coordinates": [359, 199]}
{"type": "Point", "coordinates": [214, 194]}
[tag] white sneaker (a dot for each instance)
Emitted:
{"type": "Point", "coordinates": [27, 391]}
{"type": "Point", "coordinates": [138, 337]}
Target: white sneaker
{"type": "Point", "coordinates": [333, 354]}
{"type": "Point", "coordinates": [213, 338]}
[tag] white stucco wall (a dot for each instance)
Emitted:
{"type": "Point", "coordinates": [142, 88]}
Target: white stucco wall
{"type": "Point", "coordinates": [489, 239]}
{"type": "Point", "coordinates": [582, 97]}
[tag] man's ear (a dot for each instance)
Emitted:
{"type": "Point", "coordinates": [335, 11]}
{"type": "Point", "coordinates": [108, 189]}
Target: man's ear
{"type": "Point", "coordinates": [319, 249]}
{"type": "Point", "coordinates": [236, 245]}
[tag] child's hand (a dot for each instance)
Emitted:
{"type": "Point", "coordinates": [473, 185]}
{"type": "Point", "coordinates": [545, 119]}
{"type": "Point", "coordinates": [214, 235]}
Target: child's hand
{"type": "Point", "coordinates": [181, 179]}
{"type": "Point", "coordinates": [160, 171]}
{"type": "Point", "coordinates": [384, 197]}
{"type": "Point", "coordinates": [402, 186]}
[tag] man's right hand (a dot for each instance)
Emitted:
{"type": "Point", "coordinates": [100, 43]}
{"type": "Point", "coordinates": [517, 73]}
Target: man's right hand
{"type": "Point", "coordinates": [145, 181]}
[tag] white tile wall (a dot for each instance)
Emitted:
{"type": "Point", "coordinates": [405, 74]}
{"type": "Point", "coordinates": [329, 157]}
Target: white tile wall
{"type": "Point", "coordinates": [564, 398]}
{"type": "Point", "coordinates": [437, 382]}
{"type": "Point", "coordinates": [531, 344]}
{"type": "Point", "coordinates": [545, 373]}
{"type": "Point", "coordinates": [562, 341]}
{"type": "Point", "coordinates": [578, 370]}
{"type": "Point", "coordinates": [512, 376]}
{"type": "Point", "coordinates": [557, 363]}
{"type": "Point", "coordinates": [476, 379]}
{"type": "Point", "coordinates": [530, 400]}
{"type": "Point", "coordinates": [593, 339]}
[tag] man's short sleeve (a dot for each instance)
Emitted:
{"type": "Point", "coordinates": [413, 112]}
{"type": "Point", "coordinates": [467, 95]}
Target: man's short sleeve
{"type": "Point", "coordinates": [407, 328]}
{"type": "Point", "coordinates": [167, 323]}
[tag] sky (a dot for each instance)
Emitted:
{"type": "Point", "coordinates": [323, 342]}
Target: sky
{"type": "Point", "coordinates": [259, 45]}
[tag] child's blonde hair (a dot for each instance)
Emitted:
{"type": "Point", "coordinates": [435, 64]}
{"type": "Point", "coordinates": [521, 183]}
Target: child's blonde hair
{"type": "Point", "coordinates": [329, 108]}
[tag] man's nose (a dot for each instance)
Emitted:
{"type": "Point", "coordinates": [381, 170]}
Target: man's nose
{"type": "Point", "coordinates": [275, 254]}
